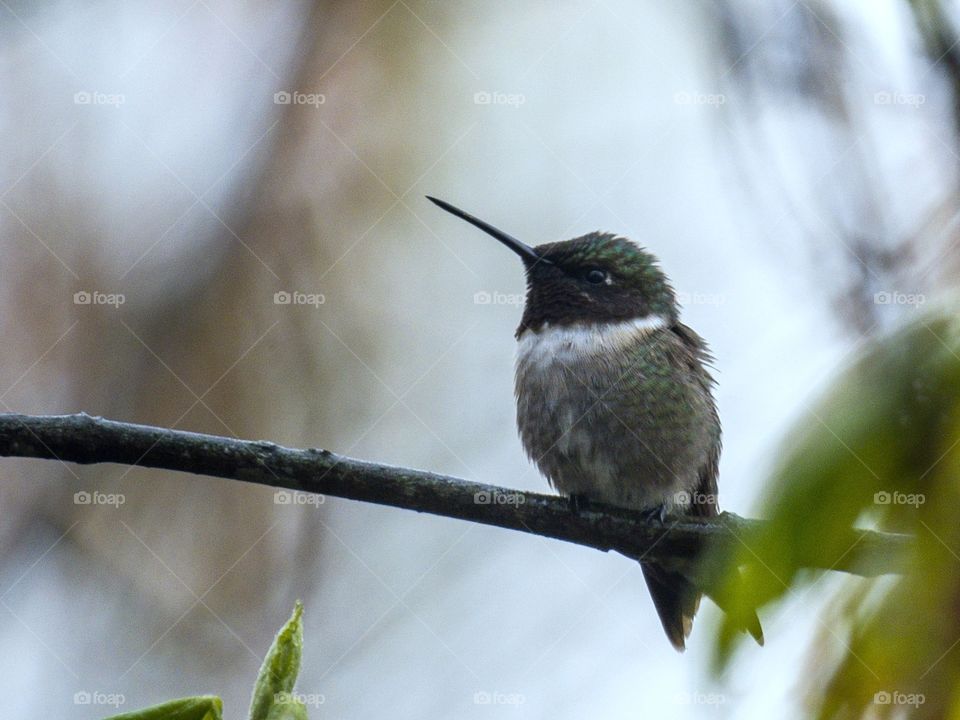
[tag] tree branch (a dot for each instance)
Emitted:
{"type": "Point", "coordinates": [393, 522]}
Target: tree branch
{"type": "Point", "coordinates": [88, 440]}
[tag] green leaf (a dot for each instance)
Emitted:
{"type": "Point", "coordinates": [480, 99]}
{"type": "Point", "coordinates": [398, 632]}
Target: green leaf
{"type": "Point", "coordinates": [279, 672]}
{"type": "Point", "coordinates": [881, 448]}
{"type": "Point", "coordinates": [202, 707]}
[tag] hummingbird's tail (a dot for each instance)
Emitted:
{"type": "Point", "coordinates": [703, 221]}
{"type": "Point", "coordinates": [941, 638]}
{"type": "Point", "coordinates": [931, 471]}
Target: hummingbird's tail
{"type": "Point", "coordinates": [677, 601]}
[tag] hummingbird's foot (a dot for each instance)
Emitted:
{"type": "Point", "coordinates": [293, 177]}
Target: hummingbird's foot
{"type": "Point", "coordinates": [657, 512]}
{"type": "Point", "coordinates": [578, 502]}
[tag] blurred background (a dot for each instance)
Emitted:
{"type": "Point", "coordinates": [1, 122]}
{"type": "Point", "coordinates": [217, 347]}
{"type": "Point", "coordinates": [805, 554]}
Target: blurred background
{"type": "Point", "coordinates": [212, 218]}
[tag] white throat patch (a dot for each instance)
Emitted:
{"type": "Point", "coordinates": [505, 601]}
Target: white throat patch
{"type": "Point", "coordinates": [568, 344]}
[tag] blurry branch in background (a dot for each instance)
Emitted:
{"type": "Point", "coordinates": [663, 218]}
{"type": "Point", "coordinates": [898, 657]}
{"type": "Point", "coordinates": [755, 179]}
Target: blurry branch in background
{"type": "Point", "coordinates": [940, 38]}
{"type": "Point", "coordinates": [84, 439]}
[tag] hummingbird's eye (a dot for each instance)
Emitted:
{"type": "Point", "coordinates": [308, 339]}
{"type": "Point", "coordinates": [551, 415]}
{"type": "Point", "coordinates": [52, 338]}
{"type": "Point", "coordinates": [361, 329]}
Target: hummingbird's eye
{"type": "Point", "coordinates": [596, 276]}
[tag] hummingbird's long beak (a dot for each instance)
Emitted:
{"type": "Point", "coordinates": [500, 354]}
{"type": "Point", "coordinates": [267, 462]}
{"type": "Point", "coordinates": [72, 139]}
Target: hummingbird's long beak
{"type": "Point", "coordinates": [527, 253]}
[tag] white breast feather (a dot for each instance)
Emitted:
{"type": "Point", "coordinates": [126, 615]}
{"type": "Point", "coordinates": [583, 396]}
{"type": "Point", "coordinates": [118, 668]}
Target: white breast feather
{"type": "Point", "coordinates": [569, 344]}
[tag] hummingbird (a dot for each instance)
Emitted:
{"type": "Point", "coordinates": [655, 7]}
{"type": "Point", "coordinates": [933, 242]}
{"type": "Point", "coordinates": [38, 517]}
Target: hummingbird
{"type": "Point", "coordinates": [614, 397]}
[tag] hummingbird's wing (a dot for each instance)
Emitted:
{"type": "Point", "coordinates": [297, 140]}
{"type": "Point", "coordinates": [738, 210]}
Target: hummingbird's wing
{"type": "Point", "coordinates": [675, 598]}
{"type": "Point", "coordinates": [699, 360]}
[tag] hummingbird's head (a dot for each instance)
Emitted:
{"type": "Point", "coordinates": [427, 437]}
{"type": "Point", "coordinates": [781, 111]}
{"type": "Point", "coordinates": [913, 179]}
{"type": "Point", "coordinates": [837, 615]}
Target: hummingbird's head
{"type": "Point", "coordinates": [597, 278]}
